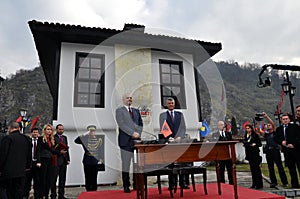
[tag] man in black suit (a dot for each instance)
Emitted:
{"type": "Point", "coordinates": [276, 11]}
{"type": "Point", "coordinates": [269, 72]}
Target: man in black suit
{"type": "Point", "coordinates": [130, 128]}
{"type": "Point", "coordinates": [2, 183]}
{"type": "Point", "coordinates": [34, 172]}
{"type": "Point", "coordinates": [224, 135]}
{"type": "Point", "coordinates": [176, 122]}
{"type": "Point", "coordinates": [287, 135]}
{"type": "Point", "coordinates": [63, 159]}
{"type": "Point", "coordinates": [15, 159]}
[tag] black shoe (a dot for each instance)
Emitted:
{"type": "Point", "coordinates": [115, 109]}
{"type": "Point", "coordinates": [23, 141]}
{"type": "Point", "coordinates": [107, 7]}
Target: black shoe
{"type": "Point", "coordinates": [273, 186]}
{"type": "Point", "coordinates": [126, 190]}
{"type": "Point", "coordinates": [252, 187]}
{"type": "Point", "coordinates": [185, 186]}
{"type": "Point", "coordinates": [260, 187]}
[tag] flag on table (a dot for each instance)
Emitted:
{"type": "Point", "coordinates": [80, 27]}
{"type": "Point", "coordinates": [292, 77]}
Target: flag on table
{"type": "Point", "coordinates": [204, 130]}
{"type": "Point", "coordinates": [165, 129]}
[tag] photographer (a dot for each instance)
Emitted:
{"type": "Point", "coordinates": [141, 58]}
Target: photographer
{"type": "Point", "coordinates": [272, 151]}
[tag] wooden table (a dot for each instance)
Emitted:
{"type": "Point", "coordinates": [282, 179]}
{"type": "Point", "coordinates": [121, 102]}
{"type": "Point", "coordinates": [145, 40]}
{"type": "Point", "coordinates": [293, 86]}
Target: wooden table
{"type": "Point", "coordinates": [150, 154]}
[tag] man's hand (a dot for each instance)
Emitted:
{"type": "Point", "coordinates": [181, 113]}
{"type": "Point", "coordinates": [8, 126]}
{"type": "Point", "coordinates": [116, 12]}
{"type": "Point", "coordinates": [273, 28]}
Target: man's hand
{"type": "Point", "coordinates": [63, 152]}
{"type": "Point", "coordinates": [135, 135]}
{"type": "Point", "coordinates": [283, 143]}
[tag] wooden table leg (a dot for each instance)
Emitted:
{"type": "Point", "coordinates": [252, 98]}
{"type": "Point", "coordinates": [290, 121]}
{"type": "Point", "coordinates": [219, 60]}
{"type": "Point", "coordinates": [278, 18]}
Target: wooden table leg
{"type": "Point", "coordinates": [234, 180]}
{"type": "Point", "coordinates": [140, 186]}
{"type": "Point", "coordinates": [233, 158]}
{"type": "Point", "coordinates": [218, 177]}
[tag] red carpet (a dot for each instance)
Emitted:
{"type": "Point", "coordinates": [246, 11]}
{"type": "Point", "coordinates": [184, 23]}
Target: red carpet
{"type": "Point", "coordinates": [227, 192]}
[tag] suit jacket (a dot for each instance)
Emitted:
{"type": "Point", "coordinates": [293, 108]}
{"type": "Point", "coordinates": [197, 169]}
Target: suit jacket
{"type": "Point", "coordinates": [128, 125]}
{"type": "Point", "coordinates": [15, 155]}
{"type": "Point", "coordinates": [252, 152]}
{"type": "Point", "coordinates": [43, 150]}
{"type": "Point", "coordinates": [62, 158]}
{"type": "Point", "coordinates": [217, 137]}
{"type": "Point", "coordinates": [292, 133]}
{"type": "Point", "coordinates": [177, 126]}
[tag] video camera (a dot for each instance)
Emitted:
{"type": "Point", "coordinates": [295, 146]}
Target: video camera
{"type": "Point", "coordinates": [259, 116]}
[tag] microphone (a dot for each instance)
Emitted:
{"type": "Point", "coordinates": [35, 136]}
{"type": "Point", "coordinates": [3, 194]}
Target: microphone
{"type": "Point", "coordinates": [151, 134]}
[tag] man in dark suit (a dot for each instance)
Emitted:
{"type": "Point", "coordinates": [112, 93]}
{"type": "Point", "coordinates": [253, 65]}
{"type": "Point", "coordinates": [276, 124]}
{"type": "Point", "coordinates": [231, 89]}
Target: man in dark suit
{"type": "Point", "coordinates": [287, 135]}
{"type": "Point", "coordinates": [63, 159]}
{"type": "Point", "coordinates": [34, 172]}
{"type": "Point", "coordinates": [176, 122]}
{"type": "Point", "coordinates": [130, 128]}
{"type": "Point", "coordinates": [224, 135]}
{"type": "Point", "coordinates": [15, 159]}
{"type": "Point", "coordinates": [2, 183]}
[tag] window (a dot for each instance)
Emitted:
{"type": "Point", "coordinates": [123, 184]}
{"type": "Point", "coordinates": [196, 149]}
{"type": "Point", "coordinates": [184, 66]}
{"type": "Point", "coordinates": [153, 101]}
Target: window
{"type": "Point", "coordinates": [89, 80]}
{"type": "Point", "coordinates": [172, 83]}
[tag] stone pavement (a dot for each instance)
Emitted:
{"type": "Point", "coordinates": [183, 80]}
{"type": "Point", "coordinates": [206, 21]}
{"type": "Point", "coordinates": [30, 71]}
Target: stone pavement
{"type": "Point", "coordinates": [243, 179]}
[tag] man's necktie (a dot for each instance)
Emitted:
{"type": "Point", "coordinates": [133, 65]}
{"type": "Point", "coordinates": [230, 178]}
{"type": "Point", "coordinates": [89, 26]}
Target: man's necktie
{"type": "Point", "coordinates": [34, 148]}
{"type": "Point", "coordinates": [172, 116]}
{"type": "Point", "coordinates": [61, 138]}
{"type": "Point", "coordinates": [284, 130]}
{"type": "Point", "coordinates": [130, 111]}
{"type": "Point", "coordinates": [223, 134]}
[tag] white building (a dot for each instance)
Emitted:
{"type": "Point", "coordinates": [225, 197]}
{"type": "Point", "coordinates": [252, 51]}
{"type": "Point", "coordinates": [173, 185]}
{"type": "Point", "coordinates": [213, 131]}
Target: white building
{"type": "Point", "coordinates": [88, 70]}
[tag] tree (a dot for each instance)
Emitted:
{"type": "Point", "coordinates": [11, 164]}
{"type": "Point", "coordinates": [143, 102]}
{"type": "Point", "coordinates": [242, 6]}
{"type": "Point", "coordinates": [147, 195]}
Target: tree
{"type": "Point", "coordinates": [234, 129]}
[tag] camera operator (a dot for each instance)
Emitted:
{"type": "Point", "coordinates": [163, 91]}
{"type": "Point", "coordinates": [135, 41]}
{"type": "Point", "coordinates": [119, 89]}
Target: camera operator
{"type": "Point", "coordinates": [272, 151]}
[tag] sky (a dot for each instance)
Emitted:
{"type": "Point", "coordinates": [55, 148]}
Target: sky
{"type": "Point", "coordinates": [251, 31]}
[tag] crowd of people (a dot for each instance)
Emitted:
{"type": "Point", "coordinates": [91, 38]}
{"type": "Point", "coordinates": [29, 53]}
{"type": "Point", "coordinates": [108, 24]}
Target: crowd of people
{"type": "Point", "coordinates": [36, 158]}
{"type": "Point", "coordinates": [43, 158]}
{"type": "Point", "coordinates": [285, 138]}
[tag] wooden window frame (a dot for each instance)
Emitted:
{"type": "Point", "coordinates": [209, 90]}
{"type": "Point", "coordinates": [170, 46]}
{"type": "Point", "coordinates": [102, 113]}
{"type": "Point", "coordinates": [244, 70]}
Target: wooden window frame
{"type": "Point", "coordinates": [89, 80]}
{"type": "Point", "coordinates": [180, 101]}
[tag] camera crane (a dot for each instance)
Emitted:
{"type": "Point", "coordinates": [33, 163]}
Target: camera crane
{"type": "Point", "coordinates": [267, 82]}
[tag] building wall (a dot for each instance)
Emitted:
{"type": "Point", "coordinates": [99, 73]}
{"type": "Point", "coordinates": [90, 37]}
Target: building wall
{"type": "Point", "coordinates": [129, 69]}
{"type": "Point", "coordinates": [190, 114]}
{"type": "Point", "coordinates": [76, 119]}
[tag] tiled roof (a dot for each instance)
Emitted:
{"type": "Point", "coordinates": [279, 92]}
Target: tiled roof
{"type": "Point", "coordinates": [67, 27]}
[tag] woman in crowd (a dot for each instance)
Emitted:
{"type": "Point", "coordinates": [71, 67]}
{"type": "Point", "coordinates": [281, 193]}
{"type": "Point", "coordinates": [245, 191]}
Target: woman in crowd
{"type": "Point", "coordinates": [252, 143]}
{"type": "Point", "coordinates": [46, 159]}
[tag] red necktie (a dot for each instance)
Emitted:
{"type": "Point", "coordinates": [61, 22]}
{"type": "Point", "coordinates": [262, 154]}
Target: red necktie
{"type": "Point", "coordinates": [61, 138]}
{"type": "Point", "coordinates": [130, 111]}
{"type": "Point", "coordinates": [172, 117]}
